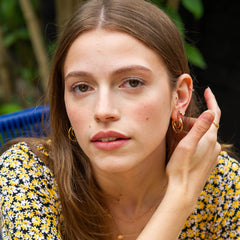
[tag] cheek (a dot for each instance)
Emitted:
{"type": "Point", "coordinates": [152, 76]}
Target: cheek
{"type": "Point", "coordinates": [144, 112]}
{"type": "Point", "coordinates": [78, 117]}
{"type": "Point", "coordinates": [152, 111]}
{"type": "Point", "coordinates": [150, 121]}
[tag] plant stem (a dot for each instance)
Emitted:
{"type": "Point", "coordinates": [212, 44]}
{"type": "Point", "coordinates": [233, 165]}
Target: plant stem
{"type": "Point", "coordinates": [37, 41]}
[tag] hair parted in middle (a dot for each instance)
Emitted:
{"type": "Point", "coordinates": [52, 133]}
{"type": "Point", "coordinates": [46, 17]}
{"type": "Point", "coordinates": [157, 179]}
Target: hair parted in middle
{"type": "Point", "coordinates": [82, 206]}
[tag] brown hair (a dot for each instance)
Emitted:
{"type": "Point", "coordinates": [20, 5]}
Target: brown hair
{"type": "Point", "coordinates": [82, 205]}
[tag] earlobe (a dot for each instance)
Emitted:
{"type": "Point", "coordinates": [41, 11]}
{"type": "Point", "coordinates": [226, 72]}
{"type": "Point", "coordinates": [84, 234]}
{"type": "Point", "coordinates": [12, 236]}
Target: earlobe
{"type": "Point", "coordinates": [183, 95]}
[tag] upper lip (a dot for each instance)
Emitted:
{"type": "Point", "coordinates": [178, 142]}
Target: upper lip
{"type": "Point", "coordinates": [108, 134]}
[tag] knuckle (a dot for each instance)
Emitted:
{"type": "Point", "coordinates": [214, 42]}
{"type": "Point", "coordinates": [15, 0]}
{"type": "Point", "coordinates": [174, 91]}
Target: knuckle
{"type": "Point", "coordinates": [185, 147]}
{"type": "Point", "coordinates": [212, 139]}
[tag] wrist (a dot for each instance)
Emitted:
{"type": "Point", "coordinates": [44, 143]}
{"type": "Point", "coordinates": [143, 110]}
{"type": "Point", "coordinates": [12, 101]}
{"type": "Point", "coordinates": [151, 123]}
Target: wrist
{"type": "Point", "coordinates": [180, 198]}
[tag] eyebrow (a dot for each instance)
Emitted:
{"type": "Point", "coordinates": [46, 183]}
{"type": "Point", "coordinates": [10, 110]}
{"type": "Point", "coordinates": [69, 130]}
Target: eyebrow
{"type": "Point", "coordinates": [115, 72]}
{"type": "Point", "coordinates": [77, 74]}
{"type": "Point", "coordinates": [132, 68]}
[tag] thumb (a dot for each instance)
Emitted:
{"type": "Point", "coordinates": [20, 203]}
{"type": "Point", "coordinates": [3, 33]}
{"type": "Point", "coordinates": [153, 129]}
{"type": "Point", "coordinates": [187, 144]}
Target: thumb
{"type": "Point", "coordinates": [201, 126]}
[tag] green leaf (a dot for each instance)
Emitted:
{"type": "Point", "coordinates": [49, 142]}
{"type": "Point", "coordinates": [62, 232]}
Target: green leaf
{"type": "Point", "coordinates": [8, 8]}
{"type": "Point", "coordinates": [9, 108]}
{"type": "Point", "coordinates": [13, 37]}
{"type": "Point", "coordinates": [28, 74]}
{"type": "Point", "coordinates": [176, 18]}
{"type": "Point", "coordinates": [194, 56]}
{"type": "Point", "coordinates": [51, 47]}
{"type": "Point", "coordinates": [157, 2]}
{"type": "Point", "coordinates": [195, 7]}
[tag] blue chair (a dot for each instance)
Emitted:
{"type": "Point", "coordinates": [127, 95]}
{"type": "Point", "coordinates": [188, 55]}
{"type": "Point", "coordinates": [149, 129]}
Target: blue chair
{"type": "Point", "coordinates": [25, 123]}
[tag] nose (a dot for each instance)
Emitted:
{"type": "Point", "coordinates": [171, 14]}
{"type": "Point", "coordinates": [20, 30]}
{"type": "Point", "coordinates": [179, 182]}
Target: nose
{"type": "Point", "coordinates": [106, 109]}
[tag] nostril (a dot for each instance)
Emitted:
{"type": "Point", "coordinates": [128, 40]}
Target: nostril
{"type": "Point", "coordinates": [106, 110]}
{"type": "Point", "coordinates": [107, 117]}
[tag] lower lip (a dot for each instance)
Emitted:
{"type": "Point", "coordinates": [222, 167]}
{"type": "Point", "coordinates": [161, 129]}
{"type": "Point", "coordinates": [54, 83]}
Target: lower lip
{"type": "Point", "coordinates": [107, 146]}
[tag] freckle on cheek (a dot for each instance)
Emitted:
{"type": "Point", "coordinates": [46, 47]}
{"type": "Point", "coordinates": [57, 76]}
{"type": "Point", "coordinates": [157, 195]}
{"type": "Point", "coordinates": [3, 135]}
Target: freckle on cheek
{"type": "Point", "coordinates": [147, 118]}
{"type": "Point", "coordinates": [89, 126]}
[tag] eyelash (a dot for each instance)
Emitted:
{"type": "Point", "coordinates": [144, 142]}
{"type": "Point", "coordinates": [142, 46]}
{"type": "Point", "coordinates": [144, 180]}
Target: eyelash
{"type": "Point", "coordinates": [129, 80]}
{"type": "Point", "coordinates": [75, 88]}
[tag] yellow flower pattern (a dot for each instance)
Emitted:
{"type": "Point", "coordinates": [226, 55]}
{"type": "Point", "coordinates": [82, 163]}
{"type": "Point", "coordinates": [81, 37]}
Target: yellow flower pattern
{"type": "Point", "coordinates": [29, 202]}
{"type": "Point", "coordinates": [217, 213]}
{"type": "Point", "coordinates": [31, 209]}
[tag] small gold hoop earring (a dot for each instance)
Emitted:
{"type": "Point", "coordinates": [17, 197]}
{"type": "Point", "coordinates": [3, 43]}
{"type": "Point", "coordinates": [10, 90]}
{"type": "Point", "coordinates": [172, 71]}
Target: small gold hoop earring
{"type": "Point", "coordinates": [71, 135]}
{"type": "Point", "coordinates": [177, 126]}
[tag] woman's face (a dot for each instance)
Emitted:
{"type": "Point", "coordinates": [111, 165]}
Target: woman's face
{"type": "Point", "coordinates": [118, 100]}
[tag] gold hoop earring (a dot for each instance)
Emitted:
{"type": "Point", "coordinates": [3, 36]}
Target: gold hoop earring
{"type": "Point", "coordinates": [71, 135]}
{"type": "Point", "coordinates": [177, 126]}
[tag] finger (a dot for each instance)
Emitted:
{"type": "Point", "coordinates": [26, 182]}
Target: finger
{"type": "Point", "coordinates": [188, 123]}
{"type": "Point", "coordinates": [201, 126]}
{"type": "Point", "coordinates": [212, 104]}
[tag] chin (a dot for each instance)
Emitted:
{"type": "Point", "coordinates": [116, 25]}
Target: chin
{"type": "Point", "coordinates": [115, 165]}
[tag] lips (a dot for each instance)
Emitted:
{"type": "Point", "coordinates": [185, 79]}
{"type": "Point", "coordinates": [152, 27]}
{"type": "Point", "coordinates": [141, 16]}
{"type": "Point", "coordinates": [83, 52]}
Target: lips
{"type": "Point", "coordinates": [109, 140]}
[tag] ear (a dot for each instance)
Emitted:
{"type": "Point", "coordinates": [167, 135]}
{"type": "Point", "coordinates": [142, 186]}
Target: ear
{"type": "Point", "coordinates": [182, 95]}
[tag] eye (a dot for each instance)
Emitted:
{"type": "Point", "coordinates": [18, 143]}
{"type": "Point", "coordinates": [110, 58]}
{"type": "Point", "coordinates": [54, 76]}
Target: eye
{"type": "Point", "coordinates": [81, 88]}
{"type": "Point", "coordinates": [132, 83]}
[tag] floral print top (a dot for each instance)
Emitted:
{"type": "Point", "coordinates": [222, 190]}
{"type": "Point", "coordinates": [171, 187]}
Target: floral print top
{"type": "Point", "coordinates": [31, 209]}
{"type": "Point", "coordinates": [29, 202]}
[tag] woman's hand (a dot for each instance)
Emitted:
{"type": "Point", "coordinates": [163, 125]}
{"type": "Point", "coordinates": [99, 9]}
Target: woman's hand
{"type": "Point", "coordinates": [196, 154]}
{"type": "Point", "coordinates": [188, 169]}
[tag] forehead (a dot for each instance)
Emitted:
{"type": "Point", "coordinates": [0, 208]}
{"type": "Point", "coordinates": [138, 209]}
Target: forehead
{"type": "Point", "coordinates": [110, 47]}
{"type": "Point", "coordinates": [104, 38]}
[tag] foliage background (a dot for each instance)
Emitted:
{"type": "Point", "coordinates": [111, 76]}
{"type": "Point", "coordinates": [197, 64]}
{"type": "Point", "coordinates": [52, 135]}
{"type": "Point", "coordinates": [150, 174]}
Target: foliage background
{"type": "Point", "coordinates": [209, 29]}
{"type": "Point", "coordinates": [23, 82]}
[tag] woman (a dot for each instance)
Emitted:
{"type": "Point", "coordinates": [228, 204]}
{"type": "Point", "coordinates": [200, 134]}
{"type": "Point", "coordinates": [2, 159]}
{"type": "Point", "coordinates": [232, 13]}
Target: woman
{"type": "Point", "coordinates": [122, 162]}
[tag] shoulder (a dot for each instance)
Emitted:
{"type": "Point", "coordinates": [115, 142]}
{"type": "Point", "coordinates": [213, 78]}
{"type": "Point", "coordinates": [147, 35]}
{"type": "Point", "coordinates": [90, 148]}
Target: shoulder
{"type": "Point", "coordinates": [22, 154]}
{"type": "Point", "coordinates": [226, 163]}
{"type": "Point", "coordinates": [217, 212]}
{"type": "Point", "coordinates": [226, 172]}
{"type": "Point", "coordinates": [220, 199]}
{"type": "Point", "coordinates": [20, 157]}
{"type": "Point", "coordinates": [19, 167]}
{"type": "Point", "coordinates": [225, 178]}
{"type": "Point", "coordinates": [28, 194]}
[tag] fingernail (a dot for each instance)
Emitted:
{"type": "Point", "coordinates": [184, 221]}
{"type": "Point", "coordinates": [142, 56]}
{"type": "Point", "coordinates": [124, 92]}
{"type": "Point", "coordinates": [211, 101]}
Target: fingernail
{"type": "Point", "coordinates": [208, 117]}
{"type": "Point", "coordinates": [209, 89]}
{"type": "Point", "coordinates": [212, 112]}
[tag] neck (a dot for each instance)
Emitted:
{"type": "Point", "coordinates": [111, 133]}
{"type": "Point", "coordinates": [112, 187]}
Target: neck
{"type": "Point", "coordinates": [130, 194]}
